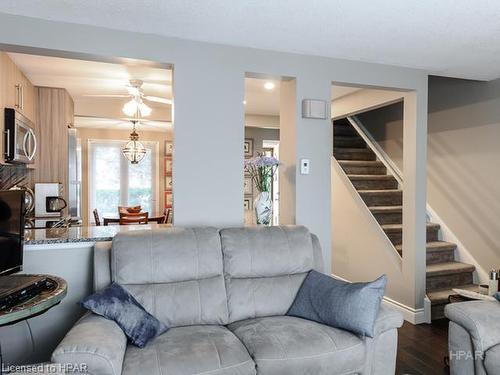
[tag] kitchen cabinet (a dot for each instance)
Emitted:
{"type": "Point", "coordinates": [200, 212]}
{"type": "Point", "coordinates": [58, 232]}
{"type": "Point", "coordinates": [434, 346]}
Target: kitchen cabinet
{"type": "Point", "coordinates": [54, 114]}
{"type": "Point", "coordinates": [19, 92]}
{"type": "Point", "coordinates": [16, 91]}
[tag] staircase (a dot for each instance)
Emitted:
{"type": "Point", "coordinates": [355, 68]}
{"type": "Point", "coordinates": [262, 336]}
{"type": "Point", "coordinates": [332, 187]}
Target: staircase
{"type": "Point", "coordinates": [383, 197]}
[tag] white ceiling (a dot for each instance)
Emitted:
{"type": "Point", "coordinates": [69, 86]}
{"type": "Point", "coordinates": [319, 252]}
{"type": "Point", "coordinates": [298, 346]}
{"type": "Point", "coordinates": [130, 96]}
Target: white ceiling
{"type": "Point", "coordinates": [448, 37]}
{"type": "Point", "coordinates": [259, 101]}
{"type": "Point", "coordinates": [83, 79]}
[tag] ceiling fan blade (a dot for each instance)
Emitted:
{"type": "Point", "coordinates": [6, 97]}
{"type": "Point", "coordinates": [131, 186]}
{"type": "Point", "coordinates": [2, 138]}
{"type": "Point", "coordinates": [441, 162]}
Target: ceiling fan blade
{"type": "Point", "coordinates": [107, 95]}
{"type": "Point", "coordinates": [157, 99]}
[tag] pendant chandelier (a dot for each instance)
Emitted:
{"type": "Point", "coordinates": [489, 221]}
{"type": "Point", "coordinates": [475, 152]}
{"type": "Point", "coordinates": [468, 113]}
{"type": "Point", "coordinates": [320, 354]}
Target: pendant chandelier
{"type": "Point", "coordinates": [134, 150]}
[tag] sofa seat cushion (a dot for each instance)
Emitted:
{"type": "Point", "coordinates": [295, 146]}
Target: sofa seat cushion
{"type": "Point", "coordinates": [492, 360]}
{"type": "Point", "coordinates": [294, 346]}
{"type": "Point", "coordinates": [190, 350]}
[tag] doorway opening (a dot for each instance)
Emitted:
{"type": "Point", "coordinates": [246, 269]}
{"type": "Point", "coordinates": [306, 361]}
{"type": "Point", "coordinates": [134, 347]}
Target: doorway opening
{"type": "Point", "coordinates": [262, 139]}
{"type": "Point", "coordinates": [103, 130]}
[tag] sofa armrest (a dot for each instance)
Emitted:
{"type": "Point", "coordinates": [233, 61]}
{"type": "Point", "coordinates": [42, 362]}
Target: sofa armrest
{"type": "Point", "coordinates": [381, 350]}
{"type": "Point", "coordinates": [387, 319]}
{"type": "Point", "coordinates": [481, 319]}
{"type": "Point", "coordinates": [94, 342]}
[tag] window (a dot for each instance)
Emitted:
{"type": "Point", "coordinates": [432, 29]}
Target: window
{"type": "Point", "coordinates": [114, 181]}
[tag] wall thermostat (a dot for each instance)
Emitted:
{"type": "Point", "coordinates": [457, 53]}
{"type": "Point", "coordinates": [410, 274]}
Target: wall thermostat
{"type": "Point", "coordinates": [312, 108]}
{"type": "Point", "coordinates": [304, 166]}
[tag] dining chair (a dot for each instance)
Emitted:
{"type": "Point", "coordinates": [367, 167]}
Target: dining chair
{"type": "Point", "coordinates": [166, 215]}
{"type": "Point", "coordinates": [139, 218]}
{"type": "Point", "coordinates": [96, 217]}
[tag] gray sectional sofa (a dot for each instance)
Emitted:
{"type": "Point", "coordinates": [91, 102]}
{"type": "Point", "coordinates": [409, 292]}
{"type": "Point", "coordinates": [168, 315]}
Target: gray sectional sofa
{"type": "Point", "coordinates": [474, 337]}
{"type": "Point", "coordinates": [224, 293]}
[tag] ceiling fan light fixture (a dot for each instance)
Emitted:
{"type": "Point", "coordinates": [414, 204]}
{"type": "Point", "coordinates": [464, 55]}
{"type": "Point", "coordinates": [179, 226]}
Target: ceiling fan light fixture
{"type": "Point", "coordinates": [144, 109]}
{"type": "Point", "coordinates": [134, 106]}
{"type": "Point", "coordinates": [130, 108]}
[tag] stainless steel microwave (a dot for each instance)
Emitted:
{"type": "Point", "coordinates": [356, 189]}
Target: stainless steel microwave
{"type": "Point", "coordinates": [20, 139]}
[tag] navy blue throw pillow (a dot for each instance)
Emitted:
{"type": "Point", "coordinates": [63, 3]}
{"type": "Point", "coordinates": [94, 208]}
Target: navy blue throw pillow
{"type": "Point", "coordinates": [350, 306]}
{"type": "Point", "coordinates": [115, 303]}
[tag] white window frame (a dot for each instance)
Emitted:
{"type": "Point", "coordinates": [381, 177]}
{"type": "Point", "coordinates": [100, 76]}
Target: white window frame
{"type": "Point", "coordinates": [154, 145]}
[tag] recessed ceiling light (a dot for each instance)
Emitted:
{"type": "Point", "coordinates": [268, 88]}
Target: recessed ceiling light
{"type": "Point", "coordinates": [244, 102]}
{"type": "Point", "coordinates": [269, 85]}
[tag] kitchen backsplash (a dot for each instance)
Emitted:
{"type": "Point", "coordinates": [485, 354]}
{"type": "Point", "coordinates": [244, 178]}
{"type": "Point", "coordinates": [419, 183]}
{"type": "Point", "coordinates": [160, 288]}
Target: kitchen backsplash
{"type": "Point", "coordinates": [11, 175]}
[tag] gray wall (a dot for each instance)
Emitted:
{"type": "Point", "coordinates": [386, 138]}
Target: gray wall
{"type": "Point", "coordinates": [386, 126]}
{"type": "Point", "coordinates": [209, 92]}
{"type": "Point", "coordinates": [463, 183]}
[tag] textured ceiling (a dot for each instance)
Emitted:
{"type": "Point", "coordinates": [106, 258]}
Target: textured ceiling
{"type": "Point", "coordinates": [458, 38]}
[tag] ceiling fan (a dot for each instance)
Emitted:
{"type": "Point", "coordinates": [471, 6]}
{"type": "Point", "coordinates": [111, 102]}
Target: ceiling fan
{"type": "Point", "coordinates": [135, 91]}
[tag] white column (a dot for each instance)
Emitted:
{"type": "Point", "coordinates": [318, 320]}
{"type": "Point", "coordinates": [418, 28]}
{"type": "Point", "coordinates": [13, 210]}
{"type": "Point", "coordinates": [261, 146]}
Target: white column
{"type": "Point", "coordinates": [414, 192]}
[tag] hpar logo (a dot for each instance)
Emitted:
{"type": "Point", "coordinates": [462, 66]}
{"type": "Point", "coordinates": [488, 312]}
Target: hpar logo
{"type": "Point", "coordinates": [466, 355]}
{"type": "Point", "coordinates": [49, 368]}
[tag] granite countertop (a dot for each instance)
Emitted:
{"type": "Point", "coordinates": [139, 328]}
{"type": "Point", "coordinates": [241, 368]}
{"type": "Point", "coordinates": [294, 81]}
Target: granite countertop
{"type": "Point", "coordinates": [81, 234]}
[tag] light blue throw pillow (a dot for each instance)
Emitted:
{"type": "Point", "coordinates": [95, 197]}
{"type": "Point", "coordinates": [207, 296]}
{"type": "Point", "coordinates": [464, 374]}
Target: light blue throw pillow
{"type": "Point", "coordinates": [350, 306]}
{"type": "Point", "coordinates": [115, 303]}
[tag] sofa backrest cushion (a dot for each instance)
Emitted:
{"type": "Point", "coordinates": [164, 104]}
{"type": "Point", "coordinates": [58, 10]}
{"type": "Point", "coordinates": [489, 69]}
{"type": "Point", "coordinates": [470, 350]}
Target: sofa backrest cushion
{"type": "Point", "coordinates": [175, 273]}
{"type": "Point", "coordinates": [264, 268]}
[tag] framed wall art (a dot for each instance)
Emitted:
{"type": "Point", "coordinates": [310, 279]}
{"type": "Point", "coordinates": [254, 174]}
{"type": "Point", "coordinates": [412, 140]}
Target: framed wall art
{"type": "Point", "coordinates": [248, 147]}
{"type": "Point", "coordinates": [169, 148]}
{"type": "Point", "coordinates": [247, 203]}
{"type": "Point", "coordinates": [168, 183]}
{"type": "Point", "coordinates": [167, 166]}
{"type": "Point", "coordinates": [247, 186]}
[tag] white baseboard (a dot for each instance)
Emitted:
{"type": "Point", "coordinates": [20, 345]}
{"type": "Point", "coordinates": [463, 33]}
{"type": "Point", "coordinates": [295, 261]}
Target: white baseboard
{"type": "Point", "coordinates": [411, 315]}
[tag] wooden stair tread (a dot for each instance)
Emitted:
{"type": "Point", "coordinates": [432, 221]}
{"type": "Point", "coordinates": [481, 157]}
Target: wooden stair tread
{"type": "Point", "coordinates": [361, 163]}
{"type": "Point", "coordinates": [440, 296]}
{"type": "Point", "coordinates": [382, 177]}
{"type": "Point", "coordinates": [378, 191]}
{"type": "Point", "coordinates": [343, 137]}
{"type": "Point", "coordinates": [448, 268]}
{"type": "Point", "coordinates": [435, 246]}
{"type": "Point", "coordinates": [398, 227]}
{"type": "Point", "coordinates": [352, 149]}
{"type": "Point", "coordinates": [385, 209]}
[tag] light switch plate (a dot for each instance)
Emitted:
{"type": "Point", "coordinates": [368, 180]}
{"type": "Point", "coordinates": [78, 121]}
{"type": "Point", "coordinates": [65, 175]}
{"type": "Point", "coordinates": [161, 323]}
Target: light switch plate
{"type": "Point", "coordinates": [304, 166]}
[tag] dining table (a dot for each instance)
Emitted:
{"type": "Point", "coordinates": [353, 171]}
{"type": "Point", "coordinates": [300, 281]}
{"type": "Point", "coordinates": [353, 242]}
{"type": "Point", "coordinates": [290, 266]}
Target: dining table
{"type": "Point", "coordinates": [114, 217]}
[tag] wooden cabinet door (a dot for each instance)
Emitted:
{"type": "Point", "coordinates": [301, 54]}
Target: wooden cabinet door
{"type": "Point", "coordinates": [11, 84]}
{"type": "Point", "coordinates": [69, 110]}
{"type": "Point", "coordinates": [27, 98]}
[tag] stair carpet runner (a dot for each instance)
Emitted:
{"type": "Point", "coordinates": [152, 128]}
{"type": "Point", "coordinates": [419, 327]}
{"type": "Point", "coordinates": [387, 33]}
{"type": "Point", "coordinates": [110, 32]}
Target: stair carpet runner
{"type": "Point", "coordinates": [380, 192]}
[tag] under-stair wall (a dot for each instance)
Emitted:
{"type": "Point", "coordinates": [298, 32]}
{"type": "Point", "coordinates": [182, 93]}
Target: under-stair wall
{"type": "Point", "coordinates": [362, 251]}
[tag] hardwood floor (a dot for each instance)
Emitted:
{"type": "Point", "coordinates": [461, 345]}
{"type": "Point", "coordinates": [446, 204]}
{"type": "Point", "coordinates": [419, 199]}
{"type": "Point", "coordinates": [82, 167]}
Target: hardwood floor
{"type": "Point", "coordinates": [422, 348]}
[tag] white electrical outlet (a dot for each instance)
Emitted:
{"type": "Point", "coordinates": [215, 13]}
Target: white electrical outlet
{"type": "Point", "coordinates": [304, 166]}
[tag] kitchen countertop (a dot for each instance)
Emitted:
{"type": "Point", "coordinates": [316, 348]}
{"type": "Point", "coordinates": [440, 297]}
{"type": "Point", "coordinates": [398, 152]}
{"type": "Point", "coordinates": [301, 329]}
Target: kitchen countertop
{"type": "Point", "coordinates": [81, 234]}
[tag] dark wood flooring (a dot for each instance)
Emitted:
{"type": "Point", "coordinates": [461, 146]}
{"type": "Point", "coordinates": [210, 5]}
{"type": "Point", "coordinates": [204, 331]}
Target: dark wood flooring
{"type": "Point", "coordinates": [422, 348]}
